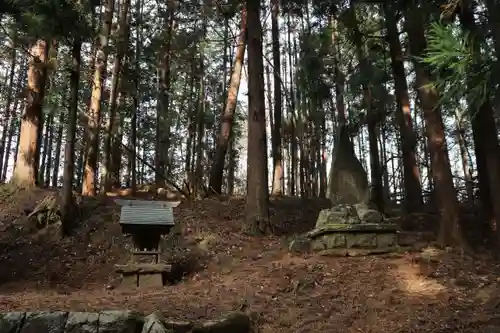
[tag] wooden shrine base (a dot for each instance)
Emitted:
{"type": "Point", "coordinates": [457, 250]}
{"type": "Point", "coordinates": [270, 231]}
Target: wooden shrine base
{"type": "Point", "coordinates": [143, 275]}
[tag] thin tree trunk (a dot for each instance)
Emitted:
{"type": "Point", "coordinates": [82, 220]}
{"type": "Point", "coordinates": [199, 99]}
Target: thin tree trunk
{"type": "Point", "coordinates": [122, 42]}
{"type": "Point", "coordinates": [57, 159]}
{"type": "Point", "coordinates": [92, 149]}
{"type": "Point", "coordinates": [163, 120]}
{"type": "Point", "coordinates": [46, 150]}
{"type": "Point", "coordinates": [200, 131]}
{"type": "Point", "coordinates": [217, 170]}
{"type": "Point", "coordinates": [69, 151]}
{"type": "Point", "coordinates": [9, 113]}
{"type": "Point", "coordinates": [14, 125]}
{"type": "Point", "coordinates": [278, 180]}
{"type": "Point", "coordinates": [372, 113]}
{"type": "Point", "coordinates": [293, 145]}
{"type": "Point", "coordinates": [460, 136]}
{"type": "Point", "coordinates": [136, 97]}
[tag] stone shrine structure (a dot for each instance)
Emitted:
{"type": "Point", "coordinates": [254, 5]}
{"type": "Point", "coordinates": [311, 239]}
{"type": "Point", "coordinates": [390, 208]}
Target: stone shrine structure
{"type": "Point", "coordinates": [351, 223]}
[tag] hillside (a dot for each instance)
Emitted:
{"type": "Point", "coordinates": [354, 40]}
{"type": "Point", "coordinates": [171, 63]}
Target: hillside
{"type": "Point", "coordinates": [430, 291]}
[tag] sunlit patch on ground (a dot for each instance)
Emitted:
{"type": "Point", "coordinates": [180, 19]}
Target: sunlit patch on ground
{"type": "Point", "coordinates": [411, 281]}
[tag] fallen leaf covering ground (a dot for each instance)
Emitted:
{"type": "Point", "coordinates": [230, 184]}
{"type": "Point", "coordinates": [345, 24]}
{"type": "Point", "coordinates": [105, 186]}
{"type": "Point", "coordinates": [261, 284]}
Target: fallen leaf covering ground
{"type": "Point", "coordinates": [432, 291]}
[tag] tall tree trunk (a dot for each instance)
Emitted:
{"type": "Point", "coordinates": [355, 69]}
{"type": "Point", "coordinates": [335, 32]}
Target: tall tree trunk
{"type": "Point", "coordinates": [466, 168]}
{"type": "Point", "coordinates": [293, 143]}
{"type": "Point", "coordinates": [231, 167]}
{"type": "Point", "coordinates": [163, 118]}
{"type": "Point", "coordinates": [28, 156]}
{"type": "Point", "coordinates": [14, 124]}
{"type": "Point", "coordinates": [117, 140]}
{"type": "Point", "coordinates": [9, 114]}
{"type": "Point", "coordinates": [278, 180]}
{"type": "Point", "coordinates": [411, 174]}
{"type": "Point", "coordinates": [92, 149]}
{"type": "Point", "coordinates": [46, 150]}
{"type": "Point", "coordinates": [57, 159]}
{"type": "Point", "coordinates": [49, 166]}
{"type": "Point", "coordinates": [200, 127]}
{"type": "Point", "coordinates": [121, 48]}
{"type": "Point", "coordinates": [217, 170]}
{"type": "Point", "coordinates": [450, 232]}
{"type": "Point", "coordinates": [191, 133]}
{"type": "Point", "coordinates": [484, 133]}
{"type": "Point", "coordinates": [257, 202]}
{"type": "Point", "coordinates": [136, 97]}
{"type": "Point", "coordinates": [69, 151]}
{"type": "Point", "coordinates": [373, 114]}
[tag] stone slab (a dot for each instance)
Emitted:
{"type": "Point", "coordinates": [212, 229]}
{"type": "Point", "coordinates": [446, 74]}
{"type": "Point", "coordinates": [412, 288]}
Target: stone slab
{"type": "Point", "coordinates": [143, 268]}
{"type": "Point", "coordinates": [150, 280]}
{"type": "Point", "coordinates": [365, 227]}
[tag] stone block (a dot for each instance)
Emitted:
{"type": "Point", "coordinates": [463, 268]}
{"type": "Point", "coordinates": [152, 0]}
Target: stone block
{"type": "Point", "coordinates": [359, 240]}
{"type": "Point", "coordinates": [334, 240]}
{"type": "Point", "coordinates": [367, 214]}
{"type": "Point", "coordinates": [340, 214]}
{"type": "Point", "coordinates": [119, 322]}
{"type": "Point", "coordinates": [154, 324]}
{"type": "Point", "coordinates": [387, 240]}
{"type": "Point", "coordinates": [236, 322]}
{"type": "Point", "coordinates": [150, 280]}
{"type": "Point", "coordinates": [45, 321]}
{"type": "Point", "coordinates": [82, 322]}
{"type": "Point", "coordinates": [10, 322]}
{"type": "Point", "coordinates": [318, 245]}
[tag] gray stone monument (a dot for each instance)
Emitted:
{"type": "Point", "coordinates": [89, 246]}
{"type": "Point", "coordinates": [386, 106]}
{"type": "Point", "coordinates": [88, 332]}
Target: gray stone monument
{"type": "Point", "coordinates": [350, 223]}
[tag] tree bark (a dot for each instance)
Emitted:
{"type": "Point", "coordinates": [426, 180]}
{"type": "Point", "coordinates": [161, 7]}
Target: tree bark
{"type": "Point", "coordinates": [278, 180]}
{"type": "Point", "coordinates": [136, 97]}
{"type": "Point", "coordinates": [92, 149]}
{"type": "Point", "coordinates": [14, 125]}
{"type": "Point", "coordinates": [67, 205]}
{"type": "Point", "coordinates": [257, 202]}
{"type": "Point", "coordinates": [217, 170]}
{"type": "Point", "coordinates": [450, 231]}
{"type": "Point", "coordinates": [411, 173]}
{"type": "Point", "coordinates": [122, 41]}
{"type": "Point", "coordinates": [9, 114]}
{"type": "Point", "coordinates": [163, 118]}
{"type": "Point", "coordinates": [484, 133]}
{"type": "Point", "coordinates": [28, 156]}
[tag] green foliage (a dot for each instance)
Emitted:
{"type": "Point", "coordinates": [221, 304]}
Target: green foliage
{"type": "Point", "coordinates": [58, 19]}
{"type": "Point", "coordinates": [459, 69]}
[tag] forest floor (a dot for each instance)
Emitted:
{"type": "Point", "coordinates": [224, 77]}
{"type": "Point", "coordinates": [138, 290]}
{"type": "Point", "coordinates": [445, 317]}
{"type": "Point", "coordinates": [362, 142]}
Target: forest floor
{"type": "Point", "coordinates": [430, 291]}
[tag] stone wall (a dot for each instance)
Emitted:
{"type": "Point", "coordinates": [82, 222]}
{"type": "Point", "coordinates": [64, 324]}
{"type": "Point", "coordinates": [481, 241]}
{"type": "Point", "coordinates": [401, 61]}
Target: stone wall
{"type": "Point", "coordinates": [116, 322]}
